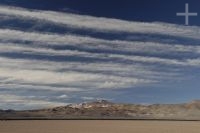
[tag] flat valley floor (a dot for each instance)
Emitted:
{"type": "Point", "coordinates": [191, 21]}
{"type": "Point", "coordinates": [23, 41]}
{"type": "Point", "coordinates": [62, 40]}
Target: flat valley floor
{"type": "Point", "coordinates": [99, 126]}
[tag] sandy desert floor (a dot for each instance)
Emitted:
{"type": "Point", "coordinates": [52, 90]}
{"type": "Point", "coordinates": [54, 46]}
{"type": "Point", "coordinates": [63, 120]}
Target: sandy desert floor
{"type": "Point", "coordinates": [95, 126]}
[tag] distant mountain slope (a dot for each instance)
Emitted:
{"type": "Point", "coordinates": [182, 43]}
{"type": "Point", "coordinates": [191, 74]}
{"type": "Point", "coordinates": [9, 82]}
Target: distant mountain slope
{"type": "Point", "coordinates": [107, 110]}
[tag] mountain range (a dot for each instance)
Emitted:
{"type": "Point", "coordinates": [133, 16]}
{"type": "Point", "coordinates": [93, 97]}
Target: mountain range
{"type": "Point", "coordinates": [107, 110]}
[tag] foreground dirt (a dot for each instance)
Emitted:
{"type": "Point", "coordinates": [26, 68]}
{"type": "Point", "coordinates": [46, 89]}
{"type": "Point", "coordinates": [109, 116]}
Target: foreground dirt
{"type": "Point", "coordinates": [95, 126]}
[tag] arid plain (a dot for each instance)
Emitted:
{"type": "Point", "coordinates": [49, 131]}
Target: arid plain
{"type": "Point", "coordinates": [98, 126]}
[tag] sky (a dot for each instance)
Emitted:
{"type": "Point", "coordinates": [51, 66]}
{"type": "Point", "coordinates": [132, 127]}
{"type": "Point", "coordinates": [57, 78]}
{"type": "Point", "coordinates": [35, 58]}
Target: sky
{"type": "Point", "coordinates": [59, 52]}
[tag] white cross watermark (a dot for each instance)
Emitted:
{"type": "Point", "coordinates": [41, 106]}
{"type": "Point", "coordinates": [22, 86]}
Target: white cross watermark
{"type": "Point", "coordinates": [187, 14]}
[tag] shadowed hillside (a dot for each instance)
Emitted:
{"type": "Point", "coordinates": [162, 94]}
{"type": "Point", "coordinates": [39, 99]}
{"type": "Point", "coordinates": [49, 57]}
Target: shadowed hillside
{"type": "Point", "coordinates": [107, 110]}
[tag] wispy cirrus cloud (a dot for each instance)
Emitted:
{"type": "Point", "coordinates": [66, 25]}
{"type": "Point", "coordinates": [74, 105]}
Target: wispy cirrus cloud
{"type": "Point", "coordinates": [104, 24]}
{"type": "Point", "coordinates": [54, 63]}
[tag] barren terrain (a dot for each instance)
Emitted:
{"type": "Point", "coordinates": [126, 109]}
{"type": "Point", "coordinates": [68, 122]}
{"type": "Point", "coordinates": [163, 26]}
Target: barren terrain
{"type": "Point", "coordinates": [107, 110]}
{"type": "Point", "coordinates": [99, 126]}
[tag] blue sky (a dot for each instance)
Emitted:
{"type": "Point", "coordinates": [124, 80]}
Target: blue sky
{"type": "Point", "coordinates": [53, 53]}
{"type": "Point", "coordinates": [135, 10]}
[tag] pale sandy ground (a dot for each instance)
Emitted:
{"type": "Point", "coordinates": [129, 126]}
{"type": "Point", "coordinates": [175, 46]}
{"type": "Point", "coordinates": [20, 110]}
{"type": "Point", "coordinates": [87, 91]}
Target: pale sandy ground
{"type": "Point", "coordinates": [96, 126]}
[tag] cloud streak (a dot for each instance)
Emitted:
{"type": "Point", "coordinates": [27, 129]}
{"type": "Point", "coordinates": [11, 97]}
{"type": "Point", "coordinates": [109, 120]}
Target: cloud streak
{"type": "Point", "coordinates": [102, 24]}
{"type": "Point", "coordinates": [74, 64]}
